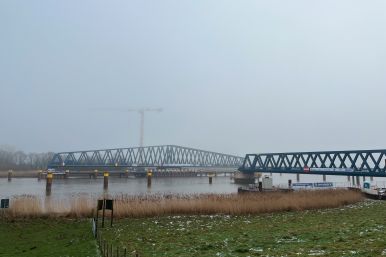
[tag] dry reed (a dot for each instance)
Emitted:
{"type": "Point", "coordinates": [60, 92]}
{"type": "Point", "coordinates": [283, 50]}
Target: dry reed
{"type": "Point", "coordinates": [158, 205]}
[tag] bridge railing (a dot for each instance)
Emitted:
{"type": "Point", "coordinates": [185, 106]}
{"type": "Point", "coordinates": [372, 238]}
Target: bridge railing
{"type": "Point", "coordinates": [352, 163]}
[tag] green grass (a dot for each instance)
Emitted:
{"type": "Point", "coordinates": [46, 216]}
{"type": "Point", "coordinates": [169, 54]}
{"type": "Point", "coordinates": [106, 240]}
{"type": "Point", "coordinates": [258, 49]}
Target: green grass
{"type": "Point", "coordinates": [356, 230]}
{"type": "Point", "coordinates": [47, 237]}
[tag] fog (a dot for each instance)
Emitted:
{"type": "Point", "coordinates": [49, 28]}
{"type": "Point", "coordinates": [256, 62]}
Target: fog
{"type": "Point", "coordinates": [231, 76]}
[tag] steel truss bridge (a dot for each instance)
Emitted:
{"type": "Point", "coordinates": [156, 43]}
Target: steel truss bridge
{"type": "Point", "coordinates": [347, 163]}
{"type": "Point", "coordinates": [164, 156]}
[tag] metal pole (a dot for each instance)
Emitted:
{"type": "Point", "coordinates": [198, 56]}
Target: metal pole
{"type": "Point", "coordinates": [142, 126]}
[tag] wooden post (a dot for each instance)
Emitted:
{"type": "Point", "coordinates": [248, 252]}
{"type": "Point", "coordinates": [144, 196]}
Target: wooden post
{"type": "Point", "coordinates": [49, 183]}
{"type": "Point", "coordinates": [105, 180]}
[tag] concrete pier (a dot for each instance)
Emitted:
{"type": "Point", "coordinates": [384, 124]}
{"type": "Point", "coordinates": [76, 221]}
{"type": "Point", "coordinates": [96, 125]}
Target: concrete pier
{"type": "Point", "coordinates": [297, 177]}
{"type": "Point", "coordinates": [324, 178]}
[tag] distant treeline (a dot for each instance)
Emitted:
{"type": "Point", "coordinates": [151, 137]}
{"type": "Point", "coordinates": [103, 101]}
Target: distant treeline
{"type": "Point", "coordinates": [18, 160]}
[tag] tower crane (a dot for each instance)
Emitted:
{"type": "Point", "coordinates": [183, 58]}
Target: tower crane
{"type": "Point", "coordinates": [141, 112]}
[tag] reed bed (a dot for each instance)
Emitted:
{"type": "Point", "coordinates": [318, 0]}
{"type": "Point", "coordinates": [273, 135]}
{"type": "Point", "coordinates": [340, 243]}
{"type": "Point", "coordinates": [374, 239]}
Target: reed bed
{"type": "Point", "coordinates": [179, 204]}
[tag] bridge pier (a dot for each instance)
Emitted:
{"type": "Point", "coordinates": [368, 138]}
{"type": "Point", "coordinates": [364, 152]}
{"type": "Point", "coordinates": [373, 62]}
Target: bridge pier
{"type": "Point", "coordinates": [324, 178]}
{"type": "Point", "coordinates": [358, 181]}
{"type": "Point", "coordinates": [297, 177]}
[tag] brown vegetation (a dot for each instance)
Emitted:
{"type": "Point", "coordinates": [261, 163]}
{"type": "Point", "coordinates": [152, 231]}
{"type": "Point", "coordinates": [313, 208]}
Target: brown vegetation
{"type": "Point", "coordinates": [158, 205]}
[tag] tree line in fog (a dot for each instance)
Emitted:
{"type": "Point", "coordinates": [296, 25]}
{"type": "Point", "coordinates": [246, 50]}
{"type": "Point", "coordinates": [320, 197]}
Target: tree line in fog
{"type": "Point", "coordinates": [11, 159]}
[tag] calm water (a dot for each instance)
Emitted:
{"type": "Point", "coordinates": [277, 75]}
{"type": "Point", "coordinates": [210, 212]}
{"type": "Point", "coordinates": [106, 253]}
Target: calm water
{"type": "Point", "coordinates": [63, 188]}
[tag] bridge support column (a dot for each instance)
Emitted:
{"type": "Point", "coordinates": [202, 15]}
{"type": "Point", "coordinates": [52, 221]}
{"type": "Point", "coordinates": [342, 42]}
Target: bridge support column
{"type": "Point", "coordinates": [210, 176]}
{"type": "Point", "coordinates": [49, 179]}
{"type": "Point", "coordinates": [348, 179]}
{"type": "Point", "coordinates": [371, 179]}
{"type": "Point", "coordinates": [353, 180]}
{"type": "Point", "coordinates": [39, 175]}
{"type": "Point", "coordinates": [324, 178]}
{"type": "Point", "coordinates": [364, 179]}
{"type": "Point", "coordinates": [289, 183]}
{"type": "Point", "coordinates": [358, 181]}
{"type": "Point", "coordinates": [10, 175]}
{"type": "Point", "coordinates": [297, 177]}
{"type": "Point", "coordinates": [105, 180]}
{"type": "Point", "coordinates": [66, 174]}
{"type": "Point", "coordinates": [149, 174]}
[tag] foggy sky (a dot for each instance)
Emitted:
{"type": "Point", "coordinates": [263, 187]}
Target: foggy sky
{"type": "Point", "coordinates": [232, 76]}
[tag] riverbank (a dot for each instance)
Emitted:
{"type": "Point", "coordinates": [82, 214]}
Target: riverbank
{"type": "Point", "coordinates": [20, 173]}
{"type": "Point", "coordinates": [352, 230]}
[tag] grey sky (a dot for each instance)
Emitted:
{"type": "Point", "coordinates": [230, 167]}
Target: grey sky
{"type": "Point", "coordinates": [232, 76]}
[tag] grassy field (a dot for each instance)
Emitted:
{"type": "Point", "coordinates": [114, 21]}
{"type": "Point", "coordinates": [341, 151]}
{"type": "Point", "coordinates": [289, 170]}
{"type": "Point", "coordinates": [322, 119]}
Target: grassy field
{"type": "Point", "coordinates": [47, 237]}
{"type": "Point", "coordinates": [354, 230]}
